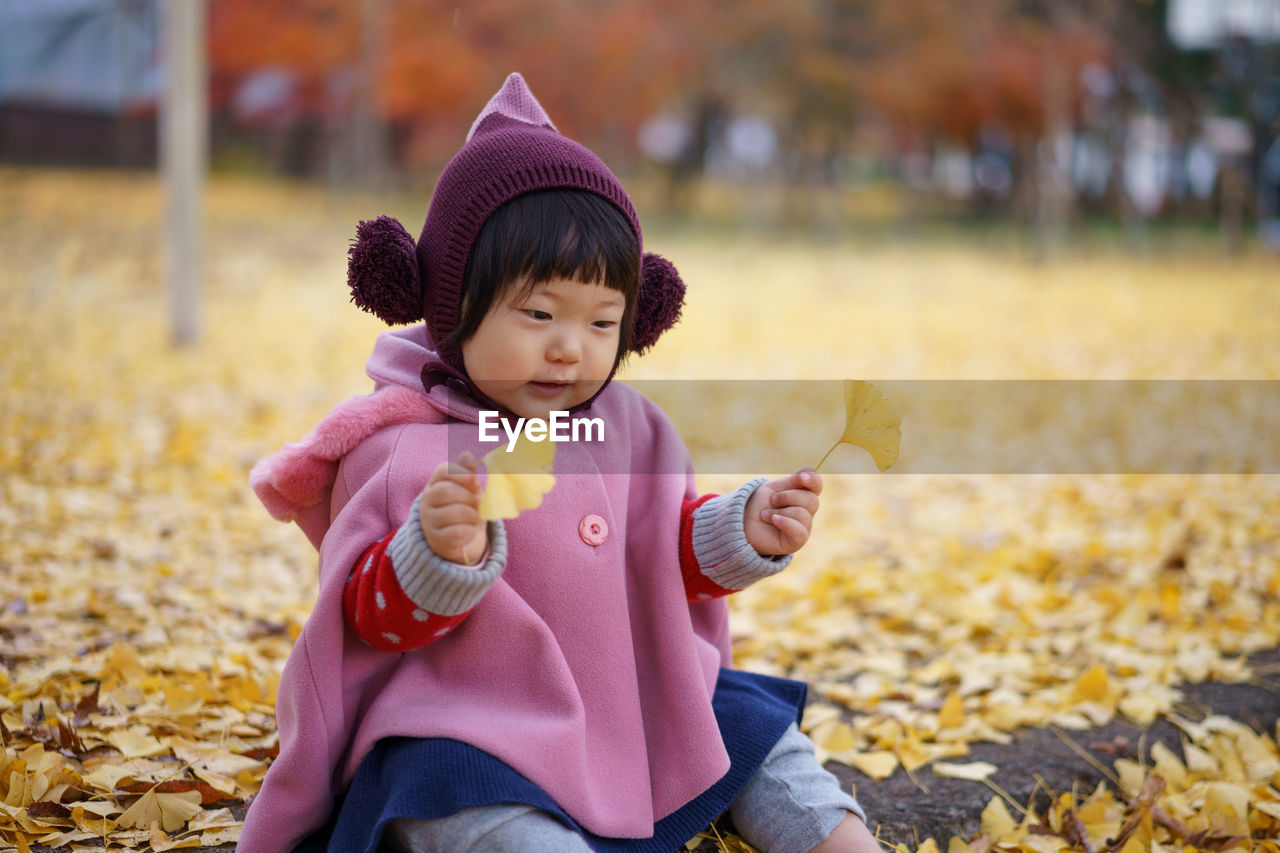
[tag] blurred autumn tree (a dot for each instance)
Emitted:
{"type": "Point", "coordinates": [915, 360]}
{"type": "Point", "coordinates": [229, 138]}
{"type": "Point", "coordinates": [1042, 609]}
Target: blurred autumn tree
{"type": "Point", "coordinates": [966, 75]}
{"type": "Point", "coordinates": [602, 67]}
{"type": "Point", "coordinates": [599, 68]}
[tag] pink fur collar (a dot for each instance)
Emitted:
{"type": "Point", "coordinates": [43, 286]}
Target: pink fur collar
{"type": "Point", "coordinates": [300, 476]}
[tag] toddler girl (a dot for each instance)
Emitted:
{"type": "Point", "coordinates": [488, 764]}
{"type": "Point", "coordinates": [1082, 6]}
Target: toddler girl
{"type": "Point", "coordinates": [559, 681]}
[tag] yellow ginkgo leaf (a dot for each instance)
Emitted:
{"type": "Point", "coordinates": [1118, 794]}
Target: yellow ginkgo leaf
{"type": "Point", "coordinates": [835, 736]}
{"type": "Point", "coordinates": [170, 810]}
{"type": "Point", "coordinates": [973, 771]}
{"type": "Point", "coordinates": [161, 842]}
{"type": "Point", "coordinates": [517, 479]}
{"type": "Point", "coordinates": [136, 742]}
{"type": "Point", "coordinates": [1093, 686]}
{"type": "Point", "coordinates": [996, 820]}
{"type": "Point", "coordinates": [878, 765]}
{"type": "Point", "coordinates": [951, 715]}
{"type": "Point", "coordinates": [870, 421]}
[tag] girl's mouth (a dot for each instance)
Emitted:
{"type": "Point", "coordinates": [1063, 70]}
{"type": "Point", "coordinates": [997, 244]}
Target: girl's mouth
{"type": "Point", "coordinates": [548, 389]}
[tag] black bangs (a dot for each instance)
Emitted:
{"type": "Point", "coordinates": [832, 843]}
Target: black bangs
{"type": "Point", "coordinates": [545, 235]}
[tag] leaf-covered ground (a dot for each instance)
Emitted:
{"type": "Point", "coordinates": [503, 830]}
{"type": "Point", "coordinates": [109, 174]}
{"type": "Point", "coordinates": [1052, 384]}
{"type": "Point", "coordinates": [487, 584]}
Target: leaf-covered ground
{"type": "Point", "coordinates": [147, 602]}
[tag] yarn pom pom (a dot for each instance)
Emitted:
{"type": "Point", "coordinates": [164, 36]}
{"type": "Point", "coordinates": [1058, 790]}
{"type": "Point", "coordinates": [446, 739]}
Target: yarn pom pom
{"type": "Point", "coordinates": [658, 308]}
{"type": "Point", "coordinates": [382, 271]}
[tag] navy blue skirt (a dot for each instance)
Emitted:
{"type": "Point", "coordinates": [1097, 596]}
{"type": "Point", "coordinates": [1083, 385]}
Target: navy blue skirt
{"type": "Point", "coordinates": [752, 710]}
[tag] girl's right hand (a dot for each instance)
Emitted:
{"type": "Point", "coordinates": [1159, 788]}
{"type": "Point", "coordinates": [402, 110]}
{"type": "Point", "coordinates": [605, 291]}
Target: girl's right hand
{"type": "Point", "coordinates": [450, 512]}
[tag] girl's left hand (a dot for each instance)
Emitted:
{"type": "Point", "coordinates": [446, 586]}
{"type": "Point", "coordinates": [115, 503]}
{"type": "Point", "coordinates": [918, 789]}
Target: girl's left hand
{"type": "Point", "coordinates": [779, 514]}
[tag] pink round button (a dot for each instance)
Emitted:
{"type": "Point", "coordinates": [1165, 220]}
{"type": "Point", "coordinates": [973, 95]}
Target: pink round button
{"type": "Point", "coordinates": [593, 529]}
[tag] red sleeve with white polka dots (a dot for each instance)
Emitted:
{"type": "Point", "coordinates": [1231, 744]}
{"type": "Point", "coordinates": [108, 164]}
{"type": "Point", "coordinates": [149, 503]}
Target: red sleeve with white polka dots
{"type": "Point", "coordinates": [378, 610]}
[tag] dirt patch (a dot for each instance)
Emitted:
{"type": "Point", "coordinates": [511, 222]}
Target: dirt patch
{"type": "Point", "coordinates": [1040, 759]}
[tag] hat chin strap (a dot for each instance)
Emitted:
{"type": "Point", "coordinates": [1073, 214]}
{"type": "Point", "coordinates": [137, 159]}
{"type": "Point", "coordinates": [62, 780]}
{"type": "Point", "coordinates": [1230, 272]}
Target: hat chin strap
{"type": "Point", "coordinates": [442, 371]}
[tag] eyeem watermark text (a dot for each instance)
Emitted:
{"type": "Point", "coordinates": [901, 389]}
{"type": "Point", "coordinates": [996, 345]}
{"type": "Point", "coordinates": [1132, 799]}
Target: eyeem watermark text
{"type": "Point", "coordinates": [559, 427]}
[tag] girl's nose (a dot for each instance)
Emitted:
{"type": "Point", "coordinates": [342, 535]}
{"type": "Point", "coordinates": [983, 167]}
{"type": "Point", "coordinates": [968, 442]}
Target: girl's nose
{"type": "Point", "coordinates": [565, 347]}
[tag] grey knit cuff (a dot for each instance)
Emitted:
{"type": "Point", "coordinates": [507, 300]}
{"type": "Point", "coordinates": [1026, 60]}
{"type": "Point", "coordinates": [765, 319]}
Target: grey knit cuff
{"type": "Point", "coordinates": [436, 584]}
{"type": "Point", "coordinates": [720, 541]}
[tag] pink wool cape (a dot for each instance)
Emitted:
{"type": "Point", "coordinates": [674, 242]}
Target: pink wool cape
{"type": "Point", "coordinates": [583, 667]}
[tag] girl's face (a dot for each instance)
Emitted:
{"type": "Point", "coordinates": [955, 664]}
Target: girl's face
{"type": "Point", "coordinates": [546, 350]}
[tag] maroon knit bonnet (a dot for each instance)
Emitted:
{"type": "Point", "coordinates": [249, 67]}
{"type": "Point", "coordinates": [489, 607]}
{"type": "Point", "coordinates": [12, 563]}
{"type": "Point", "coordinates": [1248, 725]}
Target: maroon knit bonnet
{"type": "Point", "coordinates": [512, 149]}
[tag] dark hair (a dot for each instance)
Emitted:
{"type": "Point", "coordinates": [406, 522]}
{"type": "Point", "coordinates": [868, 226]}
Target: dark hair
{"type": "Point", "coordinates": [548, 234]}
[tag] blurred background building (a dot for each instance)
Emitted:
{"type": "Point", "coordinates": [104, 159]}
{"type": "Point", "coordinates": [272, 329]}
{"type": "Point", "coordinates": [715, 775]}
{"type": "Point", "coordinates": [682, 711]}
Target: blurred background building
{"type": "Point", "coordinates": [815, 114]}
{"type": "Point", "coordinates": [79, 82]}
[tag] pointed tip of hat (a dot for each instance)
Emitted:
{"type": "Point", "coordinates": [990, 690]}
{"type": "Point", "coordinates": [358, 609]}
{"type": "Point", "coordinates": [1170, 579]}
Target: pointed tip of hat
{"type": "Point", "coordinates": [514, 100]}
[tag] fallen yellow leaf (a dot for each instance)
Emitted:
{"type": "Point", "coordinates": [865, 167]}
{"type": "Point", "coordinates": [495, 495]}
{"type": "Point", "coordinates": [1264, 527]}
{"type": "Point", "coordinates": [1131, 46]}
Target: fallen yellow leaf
{"type": "Point", "coordinates": [171, 811]}
{"type": "Point", "coordinates": [834, 736]}
{"type": "Point", "coordinates": [974, 771]}
{"type": "Point", "coordinates": [951, 715]}
{"type": "Point", "coordinates": [1168, 765]}
{"type": "Point", "coordinates": [1132, 775]}
{"type": "Point", "coordinates": [877, 765]}
{"type": "Point", "coordinates": [160, 842]}
{"type": "Point", "coordinates": [1092, 686]}
{"type": "Point", "coordinates": [911, 752]}
{"type": "Point", "coordinates": [1142, 708]}
{"type": "Point", "coordinates": [221, 835]}
{"type": "Point", "coordinates": [136, 742]}
{"type": "Point", "coordinates": [996, 820]}
{"type": "Point", "coordinates": [1226, 799]}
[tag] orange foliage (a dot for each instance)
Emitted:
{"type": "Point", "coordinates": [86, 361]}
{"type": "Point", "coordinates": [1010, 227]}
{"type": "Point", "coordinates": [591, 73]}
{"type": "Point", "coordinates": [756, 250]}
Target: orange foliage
{"type": "Point", "coordinates": [601, 68]}
{"type": "Point", "coordinates": [951, 68]}
{"type": "Point", "coordinates": [307, 37]}
{"type": "Point", "coordinates": [437, 61]}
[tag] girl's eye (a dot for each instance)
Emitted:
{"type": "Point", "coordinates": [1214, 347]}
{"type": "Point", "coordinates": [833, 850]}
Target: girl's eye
{"type": "Point", "coordinates": [605, 324]}
{"type": "Point", "coordinates": [536, 314]}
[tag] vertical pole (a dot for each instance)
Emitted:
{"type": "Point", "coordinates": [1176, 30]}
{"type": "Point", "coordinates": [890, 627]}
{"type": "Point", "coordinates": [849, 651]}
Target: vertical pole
{"type": "Point", "coordinates": [1052, 178]}
{"type": "Point", "coordinates": [371, 166]}
{"type": "Point", "coordinates": [183, 156]}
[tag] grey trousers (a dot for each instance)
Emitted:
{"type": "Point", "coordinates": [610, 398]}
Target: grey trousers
{"type": "Point", "coordinates": [790, 805]}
